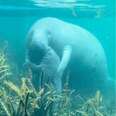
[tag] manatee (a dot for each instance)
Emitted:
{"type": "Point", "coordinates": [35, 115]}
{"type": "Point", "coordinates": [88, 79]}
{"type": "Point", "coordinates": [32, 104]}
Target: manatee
{"type": "Point", "coordinates": [72, 47]}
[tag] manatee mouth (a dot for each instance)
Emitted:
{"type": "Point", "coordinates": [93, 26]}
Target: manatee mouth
{"type": "Point", "coordinates": [36, 53]}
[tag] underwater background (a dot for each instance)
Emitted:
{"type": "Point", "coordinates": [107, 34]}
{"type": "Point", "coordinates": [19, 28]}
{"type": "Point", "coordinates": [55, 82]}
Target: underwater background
{"type": "Point", "coordinates": [17, 16]}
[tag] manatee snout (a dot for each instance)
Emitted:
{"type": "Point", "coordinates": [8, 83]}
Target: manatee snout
{"type": "Point", "coordinates": [36, 52]}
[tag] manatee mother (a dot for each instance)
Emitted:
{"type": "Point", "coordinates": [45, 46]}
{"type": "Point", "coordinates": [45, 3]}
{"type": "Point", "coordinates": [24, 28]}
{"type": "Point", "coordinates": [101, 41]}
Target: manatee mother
{"type": "Point", "coordinates": [55, 45]}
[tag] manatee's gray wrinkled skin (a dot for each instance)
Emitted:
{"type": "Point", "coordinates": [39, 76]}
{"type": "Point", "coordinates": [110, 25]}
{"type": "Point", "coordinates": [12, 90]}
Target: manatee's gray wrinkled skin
{"type": "Point", "coordinates": [73, 47]}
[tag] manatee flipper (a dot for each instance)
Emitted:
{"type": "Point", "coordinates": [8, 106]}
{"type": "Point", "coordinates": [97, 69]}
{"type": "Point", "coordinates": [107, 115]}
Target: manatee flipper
{"type": "Point", "coordinates": [65, 59]}
{"type": "Point", "coordinates": [32, 66]}
{"type": "Point", "coordinates": [35, 67]}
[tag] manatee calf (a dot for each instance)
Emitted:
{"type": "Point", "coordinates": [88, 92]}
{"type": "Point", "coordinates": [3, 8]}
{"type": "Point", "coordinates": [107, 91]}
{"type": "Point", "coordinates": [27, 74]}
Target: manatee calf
{"type": "Point", "coordinates": [44, 64]}
{"type": "Point", "coordinates": [70, 46]}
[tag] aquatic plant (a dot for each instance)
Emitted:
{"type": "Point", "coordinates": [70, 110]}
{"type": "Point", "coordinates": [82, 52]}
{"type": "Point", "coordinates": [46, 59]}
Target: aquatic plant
{"type": "Point", "coordinates": [92, 107]}
{"type": "Point", "coordinates": [4, 66]}
{"type": "Point", "coordinates": [23, 100]}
